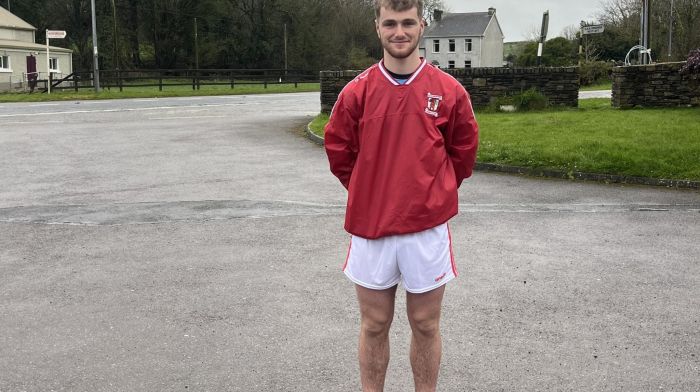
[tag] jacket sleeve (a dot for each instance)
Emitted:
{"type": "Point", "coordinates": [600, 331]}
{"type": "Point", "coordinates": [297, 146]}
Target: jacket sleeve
{"type": "Point", "coordinates": [462, 137]}
{"type": "Point", "coordinates": [340, 139]}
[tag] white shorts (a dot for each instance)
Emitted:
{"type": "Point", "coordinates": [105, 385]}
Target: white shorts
{"type": "Point", "coordinates": [421, 261]}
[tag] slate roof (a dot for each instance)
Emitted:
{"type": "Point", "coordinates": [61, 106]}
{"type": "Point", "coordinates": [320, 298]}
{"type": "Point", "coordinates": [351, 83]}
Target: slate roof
{"type": "Point", "coordinates": [460, 25]}
{"type": "Point", "coordinates": [8, 19]}
{"type": "Point", "coordinates": [6, 44]}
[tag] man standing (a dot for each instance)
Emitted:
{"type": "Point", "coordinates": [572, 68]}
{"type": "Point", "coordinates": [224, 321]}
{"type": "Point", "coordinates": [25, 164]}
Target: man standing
{"type": "Point", "coordinates": [401, 138]}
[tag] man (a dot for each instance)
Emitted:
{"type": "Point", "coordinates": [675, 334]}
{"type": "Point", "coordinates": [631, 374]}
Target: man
{"type": "Point", "coordinates": [401, 138]}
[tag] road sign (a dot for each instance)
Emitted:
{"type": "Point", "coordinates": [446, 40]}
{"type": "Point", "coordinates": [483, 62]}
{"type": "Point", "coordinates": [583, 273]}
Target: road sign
{"type": "Point", "coordinates": [55, 34]}
{"type": "Point", "coordinates": [592, 29]}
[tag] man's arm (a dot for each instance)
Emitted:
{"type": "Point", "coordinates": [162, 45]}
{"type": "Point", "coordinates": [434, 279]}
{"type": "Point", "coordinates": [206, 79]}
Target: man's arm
{"type": "Point", "coordinates": [340, 141]}
{"type": "Point", "coordinates": [462, 137]}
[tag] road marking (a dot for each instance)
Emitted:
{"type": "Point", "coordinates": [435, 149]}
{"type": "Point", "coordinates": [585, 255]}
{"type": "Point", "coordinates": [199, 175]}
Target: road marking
{"type": "Point", "coordinates": [129, 109]}
{"type": "Point", "coordinates": [185, 118]}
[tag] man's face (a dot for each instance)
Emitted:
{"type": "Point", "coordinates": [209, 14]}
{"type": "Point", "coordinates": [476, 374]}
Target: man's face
{"type": "Point", "coordinates": [399, 32]}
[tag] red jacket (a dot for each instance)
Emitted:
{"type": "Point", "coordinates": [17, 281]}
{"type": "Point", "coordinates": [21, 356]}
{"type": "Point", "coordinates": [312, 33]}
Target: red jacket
{"type": "Point", "coordinates": [401, 150]}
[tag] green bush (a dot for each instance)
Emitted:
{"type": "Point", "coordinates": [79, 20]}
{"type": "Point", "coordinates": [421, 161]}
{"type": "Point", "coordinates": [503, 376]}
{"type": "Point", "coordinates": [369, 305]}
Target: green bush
{"type": "Point", "coordinates": [594, 72]}
{"type": "Point", "coordinates": [530, 100]}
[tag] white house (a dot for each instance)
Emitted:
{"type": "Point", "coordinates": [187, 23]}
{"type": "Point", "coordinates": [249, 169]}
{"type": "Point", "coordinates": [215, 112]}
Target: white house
{"type": "Point", "coordinates": [21, 58]}
{"type": "Point", "coordinates": [463, 40]}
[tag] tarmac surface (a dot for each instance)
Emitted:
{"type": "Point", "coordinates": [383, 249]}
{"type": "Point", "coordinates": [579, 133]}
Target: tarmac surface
{"type": "Point", "coordinates": [196, 244]}
{"type": "Point", "coordinates": [595, 94]}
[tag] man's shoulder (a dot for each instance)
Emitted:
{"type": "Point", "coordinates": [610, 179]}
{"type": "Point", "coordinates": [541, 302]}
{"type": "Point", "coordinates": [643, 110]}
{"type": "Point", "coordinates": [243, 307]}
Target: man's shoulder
{"type": "Point", "coordinates": [363, 77]}
{"type": "Point", "coordinates": [442, 75]}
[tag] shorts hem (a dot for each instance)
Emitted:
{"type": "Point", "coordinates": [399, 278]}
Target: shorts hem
{"type": "Point", "coordinates": [370, 286]}
{"type": "Point", "coordinates": [425, 290]}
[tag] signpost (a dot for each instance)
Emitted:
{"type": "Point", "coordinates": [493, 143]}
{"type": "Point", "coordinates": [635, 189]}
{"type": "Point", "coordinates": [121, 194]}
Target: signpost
{"type": "Point", "coordinates": [592, 29]}
{"type": "Point", "coordinates": [543, 36]}
{"type": "Point", "coordinates": [51, 34]}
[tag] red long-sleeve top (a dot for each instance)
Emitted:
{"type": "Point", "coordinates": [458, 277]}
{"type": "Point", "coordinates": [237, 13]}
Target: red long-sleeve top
{"type": "Point", "coordinates": [401, 150]}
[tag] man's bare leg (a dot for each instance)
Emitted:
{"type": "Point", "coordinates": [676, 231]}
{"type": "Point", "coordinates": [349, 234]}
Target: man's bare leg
{"type": "Point", "coordinates": [377, 313]}
{"type": "Point", "coordinates": [426, 343]}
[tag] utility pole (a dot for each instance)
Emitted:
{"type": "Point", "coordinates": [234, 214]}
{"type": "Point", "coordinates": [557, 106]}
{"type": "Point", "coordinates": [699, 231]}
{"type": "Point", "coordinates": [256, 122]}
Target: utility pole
{"type": "Point", "coordinates": [670, 30]}
{"type": "Point", "coordinates": [196, 46]}
{"type": "Point", "coordinates": [95, 60]}
{"type": "Point", "coordinates": [285, 50]}
{"type": "Point", "coordinates": [116, 43]}
{"type": "Point", "coordinates": [9, 6]}
{"type": "Point", "coordinates": [644, 31]}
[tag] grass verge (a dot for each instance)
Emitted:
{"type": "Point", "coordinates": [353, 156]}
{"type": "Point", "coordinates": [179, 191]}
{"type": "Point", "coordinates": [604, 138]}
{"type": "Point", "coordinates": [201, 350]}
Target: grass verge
{"type": "Point", "coordinates": [598, 86]}
{"type": "Point", "coordinates": [153, 92]}
{"type": "Point", "coordinates": [595, 138]}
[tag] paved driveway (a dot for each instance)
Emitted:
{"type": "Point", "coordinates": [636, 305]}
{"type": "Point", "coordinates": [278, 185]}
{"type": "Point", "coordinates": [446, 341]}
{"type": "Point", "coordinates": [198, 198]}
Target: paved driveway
{"type": "Point", "coordinates": [195, 244]}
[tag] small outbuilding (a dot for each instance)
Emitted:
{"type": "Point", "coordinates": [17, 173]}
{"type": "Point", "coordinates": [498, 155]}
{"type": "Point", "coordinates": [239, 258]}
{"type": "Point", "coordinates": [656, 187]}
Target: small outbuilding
{"type": "Point", "coordinates": [23, 61]}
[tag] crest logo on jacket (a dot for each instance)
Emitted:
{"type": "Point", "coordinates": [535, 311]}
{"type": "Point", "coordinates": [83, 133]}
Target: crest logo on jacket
{"type": "Point", "coordinates": [433, 104]}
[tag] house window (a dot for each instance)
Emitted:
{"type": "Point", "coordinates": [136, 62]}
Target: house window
{"type": "Point", "coordinates": [468, 64]}
{"type": "Point", "coordinates": [467, 45]}
{"type": "Point", "coordinates": [53, 64]}
{"type": "Point", "coordinates": [436, 46]}
{"type": "Point", "coordinates": [452, 45]}
{"type": "Point", "coordinates": [5, 63]}
{"type": "Point", "coordinates": [451, 64]}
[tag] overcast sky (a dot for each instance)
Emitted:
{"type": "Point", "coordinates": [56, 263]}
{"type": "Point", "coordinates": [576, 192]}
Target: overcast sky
{"type": "Point", "coordinates": [518, 18]}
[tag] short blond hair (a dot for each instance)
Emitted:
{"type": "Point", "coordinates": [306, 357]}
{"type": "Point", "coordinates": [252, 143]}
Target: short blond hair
{"type": "Point", "coordinates": [398, 5]}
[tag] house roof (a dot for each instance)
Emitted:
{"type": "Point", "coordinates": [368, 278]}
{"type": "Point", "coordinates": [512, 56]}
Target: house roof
{"type": "Point", "coordinates": [8, 19]}
{"type": "Point", "coordinates": [460, 25]}
{"type": "Point", "coordinates": [9, 44]}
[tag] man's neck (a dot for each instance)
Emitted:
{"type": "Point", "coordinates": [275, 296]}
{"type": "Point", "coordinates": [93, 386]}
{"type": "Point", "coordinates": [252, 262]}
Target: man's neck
{"type": "Point", "coordinates": [403, 66]}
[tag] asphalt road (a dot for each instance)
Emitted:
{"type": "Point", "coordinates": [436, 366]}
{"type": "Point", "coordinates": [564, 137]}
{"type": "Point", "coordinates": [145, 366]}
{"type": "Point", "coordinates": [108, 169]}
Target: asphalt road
{"type": "Point", "coordinates": [195, 244]}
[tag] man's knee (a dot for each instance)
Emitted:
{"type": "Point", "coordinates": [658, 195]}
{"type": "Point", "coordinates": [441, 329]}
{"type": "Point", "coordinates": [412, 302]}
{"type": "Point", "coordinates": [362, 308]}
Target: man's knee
{"type": "Point", "coordinates": [425, 324]}
{"type": "Point", "coordinates": [376, 325]}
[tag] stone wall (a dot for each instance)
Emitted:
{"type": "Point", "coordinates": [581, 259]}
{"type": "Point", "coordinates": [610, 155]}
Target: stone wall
{"type": "Point", "coordinates": [559, 85]}
{"type": "Point", "coordinates": [655, 85]}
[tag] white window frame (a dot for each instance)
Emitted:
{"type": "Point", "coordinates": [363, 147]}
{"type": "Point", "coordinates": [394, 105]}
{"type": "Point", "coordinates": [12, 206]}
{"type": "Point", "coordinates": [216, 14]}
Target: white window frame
{"type": "Point", "coordinates": [451, 45]}
{"type": "Point", "coordinates": [467, 63]}
{"type": "Point", "coordinates": [468, 45]}
{"type": "Point", "coordinates": [450, 64]}
{"type": "Point", "coordinates": [57, 68]}
{"type": "Point", "coordinates": [5, 65]}
{"type": "Point", "coordinates": [436, 45]}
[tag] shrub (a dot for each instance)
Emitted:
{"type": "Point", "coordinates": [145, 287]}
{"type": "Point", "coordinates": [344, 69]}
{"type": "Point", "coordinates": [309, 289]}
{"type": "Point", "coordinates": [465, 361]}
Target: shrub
{"type": "Point", "coordinates": [594, 72]}
{"type": "Point", "coordinates": [530, 100]}
{"type": "Point", "coordinates": [693, 64]}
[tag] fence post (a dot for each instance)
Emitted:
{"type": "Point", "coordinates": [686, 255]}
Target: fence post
{"type": "Point", "coordinates": [119, 80]}
{"type": "Point", "coordinates": [160, 81]}
{"type": "Point", "coordinates": [75, 81]}
{"type": "Point", "coordinates": [231, 73]}
{"type": "Point", "coordinates": [194, 81]}
{"type": "Point", "coordinates": [265, 83]}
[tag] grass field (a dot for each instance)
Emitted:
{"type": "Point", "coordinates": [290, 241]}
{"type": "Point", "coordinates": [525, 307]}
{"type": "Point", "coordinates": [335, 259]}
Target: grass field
{"type": "Point", "coordinates": [598, 86]}
{"type": "Point", "coordinates": [595, 138]}
{"type": "Point", "coordinates": [151, 92]}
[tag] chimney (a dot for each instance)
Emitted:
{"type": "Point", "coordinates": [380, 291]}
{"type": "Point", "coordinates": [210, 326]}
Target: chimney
{"type": "Point", "coordinates": [437, 15]}
{"type": "Point", "coordinates": [492, 11]}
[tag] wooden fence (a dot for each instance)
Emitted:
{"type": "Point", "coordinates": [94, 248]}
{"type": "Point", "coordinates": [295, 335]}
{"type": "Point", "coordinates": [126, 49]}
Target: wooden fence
{"type": "Point", "coordinates": [161, 78]}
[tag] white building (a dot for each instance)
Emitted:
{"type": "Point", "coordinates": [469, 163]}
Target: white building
{"type": "Point", "coordinates": [463, 40]}
{"type": "Point", "coordinates": [21, 57]}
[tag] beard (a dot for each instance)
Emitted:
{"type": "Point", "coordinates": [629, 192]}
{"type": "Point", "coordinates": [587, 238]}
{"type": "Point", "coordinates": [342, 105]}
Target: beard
{"type": "Point", "coordinates": [402, 53]}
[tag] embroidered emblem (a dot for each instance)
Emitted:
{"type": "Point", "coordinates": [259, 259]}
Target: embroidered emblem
{"type": "Point", "coordinates": [433, 104]}
{"type": "Point", "coordinates": [439, 278]}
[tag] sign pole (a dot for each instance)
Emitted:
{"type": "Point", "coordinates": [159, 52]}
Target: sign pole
{"type": "Point", "coordinates": [48, 65]}
{"type": "Point", "coordinates": [543, 36]}
{"type": "Point", "coordinates": [95, 58]}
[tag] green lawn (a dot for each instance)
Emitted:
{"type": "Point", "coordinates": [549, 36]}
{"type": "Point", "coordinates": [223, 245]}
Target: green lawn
{"type": "Point", "coordinates": [151, 92]}
{"type": "Point", "coordinates": [595, 138]}
{"type": "Point", "coordinates": [598, 86]}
